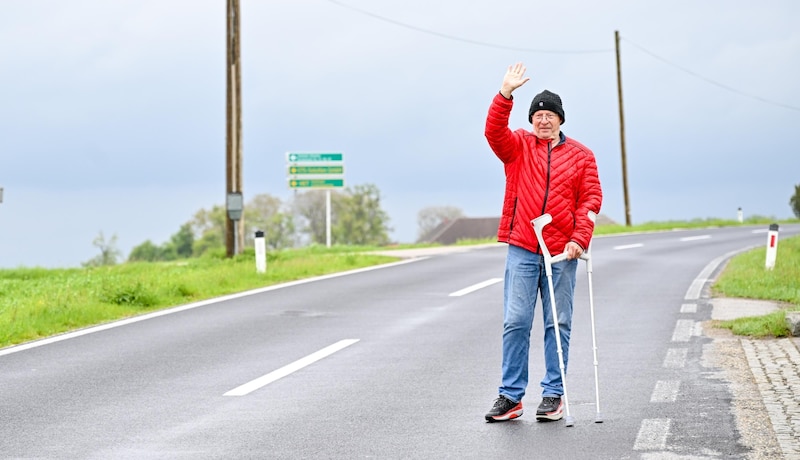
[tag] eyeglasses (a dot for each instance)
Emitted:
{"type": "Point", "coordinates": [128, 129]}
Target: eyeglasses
{"type": "Point", "coordinates": [539, 116]}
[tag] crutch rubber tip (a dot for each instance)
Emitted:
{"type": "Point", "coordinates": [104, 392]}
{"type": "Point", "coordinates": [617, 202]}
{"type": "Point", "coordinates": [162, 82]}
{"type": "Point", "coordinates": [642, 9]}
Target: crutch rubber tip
{"type": "Point", "coordinates": [598, 418]}
{"type": "Point", "coordinates": [569, 421]}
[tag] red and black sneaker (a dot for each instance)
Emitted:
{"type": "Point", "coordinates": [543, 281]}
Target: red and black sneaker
{"type": "Point", "coordinates": [551, 408]}
{"type": "Point", "coordinates": [504, 409]}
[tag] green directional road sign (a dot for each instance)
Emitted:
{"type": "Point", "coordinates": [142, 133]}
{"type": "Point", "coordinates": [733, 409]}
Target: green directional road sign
{"type": "Point", "coordinates": [314, 157]}
{"type": "Point", "coordinates": [320, 170]}
{"type": "Point", "coordinates": [316, 183]}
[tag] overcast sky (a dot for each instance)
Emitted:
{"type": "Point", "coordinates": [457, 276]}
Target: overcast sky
{"type": "Point", "coordinates": [112, 115]}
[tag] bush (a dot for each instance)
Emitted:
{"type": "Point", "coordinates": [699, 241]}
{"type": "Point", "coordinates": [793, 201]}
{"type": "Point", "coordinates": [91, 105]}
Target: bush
{"type": "Point", "coordinates": [135, 295]}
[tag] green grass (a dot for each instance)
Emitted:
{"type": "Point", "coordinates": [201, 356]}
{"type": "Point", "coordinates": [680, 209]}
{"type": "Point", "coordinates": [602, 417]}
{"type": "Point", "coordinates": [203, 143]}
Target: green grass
{"type": "Point", "coordinates": [685, 225]}
{"type": "Point", "coordinates": [745, 276]}
{"type": "Point", "coordinates": [37, 303]}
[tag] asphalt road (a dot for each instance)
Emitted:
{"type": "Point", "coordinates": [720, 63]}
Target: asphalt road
{"type": "Point", "coordinates": [396, 362]}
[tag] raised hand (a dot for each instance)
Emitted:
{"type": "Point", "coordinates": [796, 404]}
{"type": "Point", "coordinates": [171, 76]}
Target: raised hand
{"type": "Point", "coordinates": [515, 77]}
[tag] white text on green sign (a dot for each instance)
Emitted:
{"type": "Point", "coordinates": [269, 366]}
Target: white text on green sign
{"type": "Point", "coordinates": [295, 170]}
{"type": "Point", "coordinates": [316, 183]}
{"type": "Point", "coordinates": [314, 157]}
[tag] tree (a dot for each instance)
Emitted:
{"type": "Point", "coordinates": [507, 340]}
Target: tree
{"type": "Point", "coordinates": [146, 252]}
{"type": "Point", "coordinates": [431, 217]}
{"type": "Point", "coordinates": [794, 202]}
{"type": "Point", "coordinates": [210, 242]}
{"type": "Point", "coordinates": [263, 213]}
{"type": "Point", "coordinates": [208, 227]}
{"type": "Point", "coordinates": [360, 219]}
{"type": "Point", "coordinates": [108, 252]}
{"type": "Point", "coordinates": [180, 244]}
{"type": "Point", "coordinates": [279, 232]}
{"type": "Point", "coordinates": [310, 208]}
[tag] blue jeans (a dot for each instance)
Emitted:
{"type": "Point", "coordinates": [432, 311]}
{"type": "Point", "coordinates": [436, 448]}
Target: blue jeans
{"type": "Point", "coordinates": [525, 277]}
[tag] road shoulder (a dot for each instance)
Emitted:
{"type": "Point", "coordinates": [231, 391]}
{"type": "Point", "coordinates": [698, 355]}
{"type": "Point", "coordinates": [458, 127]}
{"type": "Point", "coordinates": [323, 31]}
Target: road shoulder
{"type": "Point", "coordinates": [764, 376]}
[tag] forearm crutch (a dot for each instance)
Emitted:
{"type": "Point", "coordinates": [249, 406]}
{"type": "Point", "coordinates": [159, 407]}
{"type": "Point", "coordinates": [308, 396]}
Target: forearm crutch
{"type": "Point", "coordinates": [538, 224]}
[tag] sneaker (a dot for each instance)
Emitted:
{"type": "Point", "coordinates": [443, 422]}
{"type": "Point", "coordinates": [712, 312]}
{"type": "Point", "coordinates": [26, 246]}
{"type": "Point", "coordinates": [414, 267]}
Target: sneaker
{"type": "Point", "coordinates": [550, 409]}
{"type": "Point", "coordinates": [504, 409]}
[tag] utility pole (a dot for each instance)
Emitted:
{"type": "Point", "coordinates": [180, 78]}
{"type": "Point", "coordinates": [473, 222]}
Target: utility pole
{"type": "Point", "coordinates": [234, 234]}
{"type": "Point", "coordinates": [622, 135]}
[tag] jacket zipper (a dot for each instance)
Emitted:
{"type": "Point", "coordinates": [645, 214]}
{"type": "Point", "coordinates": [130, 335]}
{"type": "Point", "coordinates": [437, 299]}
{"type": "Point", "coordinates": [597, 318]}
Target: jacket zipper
{"type": "Point", "coordinates": [546, 189]}
{"type": "Point", "coordinates": [513, 218]}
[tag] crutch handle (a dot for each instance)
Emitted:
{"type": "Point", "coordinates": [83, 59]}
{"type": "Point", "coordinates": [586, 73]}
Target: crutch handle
{"type": "Point", "coordinates": [563, 256]}
{"type": "Point", "coordinates": [539, 224]}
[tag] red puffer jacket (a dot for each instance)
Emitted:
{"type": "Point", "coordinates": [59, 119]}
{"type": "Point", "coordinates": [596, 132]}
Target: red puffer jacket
{"type": "Point", "coordinates": [543, 178]}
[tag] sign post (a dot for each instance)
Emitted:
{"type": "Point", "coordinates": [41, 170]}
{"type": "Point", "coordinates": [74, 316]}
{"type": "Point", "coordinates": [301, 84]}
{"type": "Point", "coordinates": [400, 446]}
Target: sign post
{"type": "Point", "coordinates": [317, 170]}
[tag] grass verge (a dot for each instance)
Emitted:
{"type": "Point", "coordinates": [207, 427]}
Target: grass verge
{"type": "Point", "coordinates": [37, 303]}
{"type": "Point", "coordinates": [745, 276]}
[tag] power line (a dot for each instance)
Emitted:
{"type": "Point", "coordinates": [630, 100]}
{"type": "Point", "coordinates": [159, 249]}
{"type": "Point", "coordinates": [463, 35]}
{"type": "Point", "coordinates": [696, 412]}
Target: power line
{"type": "Point", "coordinates": [466, 40]}
{"type": "Point", "coordinates": [587, 51]}
{"type": "Point", "coordinates": [708, 80]}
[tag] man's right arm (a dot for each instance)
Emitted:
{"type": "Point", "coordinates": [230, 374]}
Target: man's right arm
{"type": "Point", "coordinates": [500, 138]}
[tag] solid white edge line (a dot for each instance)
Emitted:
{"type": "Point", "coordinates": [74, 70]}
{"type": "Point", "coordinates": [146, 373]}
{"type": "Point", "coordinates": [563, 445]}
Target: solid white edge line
{"type": "Point", "coordinates": [693, 293]}
{"type": "Point", "coordinates": [202, 303]}
{"type": "Point", "coordinates": [264, 380]}
{"type": "Point", "coordinates": [475, 287]}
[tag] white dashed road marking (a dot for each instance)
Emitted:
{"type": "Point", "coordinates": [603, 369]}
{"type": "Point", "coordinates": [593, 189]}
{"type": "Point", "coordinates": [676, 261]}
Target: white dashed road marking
{"type": "Point", "coordinates": [676, 358]}
{"type": "Point", "coordinates": [254, 385]}
{"type": "Point", "coordinates": [652, 434]}
{"type": "Point", "coordinates": [475, 287]}
{"type": "Point", "coordinates": [665, 391]}
{"type": "Point", "coordinates": [695, 238]}
{"type": "Point", "coordinates": [683, 330]}
{"type": "Point", "coordinates": [629, 246]}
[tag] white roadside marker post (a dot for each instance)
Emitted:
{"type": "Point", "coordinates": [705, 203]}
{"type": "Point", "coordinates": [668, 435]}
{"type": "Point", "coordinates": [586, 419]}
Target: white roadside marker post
{"type": "Point", "coordinates": [772, 246]}
{"type": "Point", "coordinates": [261, 252]}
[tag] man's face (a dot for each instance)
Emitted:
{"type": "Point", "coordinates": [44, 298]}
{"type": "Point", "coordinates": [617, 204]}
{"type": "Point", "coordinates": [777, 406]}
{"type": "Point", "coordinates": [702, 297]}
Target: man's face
{"type": "Point", "coordinates": [546, 124]}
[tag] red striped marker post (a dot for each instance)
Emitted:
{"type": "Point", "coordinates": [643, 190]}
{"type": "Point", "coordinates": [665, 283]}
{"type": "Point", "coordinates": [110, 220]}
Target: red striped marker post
{"type": "Point", "coordinates": [772, 245]}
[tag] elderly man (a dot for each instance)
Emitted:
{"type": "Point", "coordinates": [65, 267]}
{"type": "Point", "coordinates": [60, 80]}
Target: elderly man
{"type": "Point", "coordinates": [546, 172]}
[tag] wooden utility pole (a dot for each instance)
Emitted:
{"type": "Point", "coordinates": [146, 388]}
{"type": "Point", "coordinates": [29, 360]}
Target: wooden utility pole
{"type": "Point", "coordinates": [622, 135]}
{"type": "Point", "coordinates": [234, 234]}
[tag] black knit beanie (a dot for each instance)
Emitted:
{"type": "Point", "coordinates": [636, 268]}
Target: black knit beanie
{"type": "Point", "coordinates": [546, 100]}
